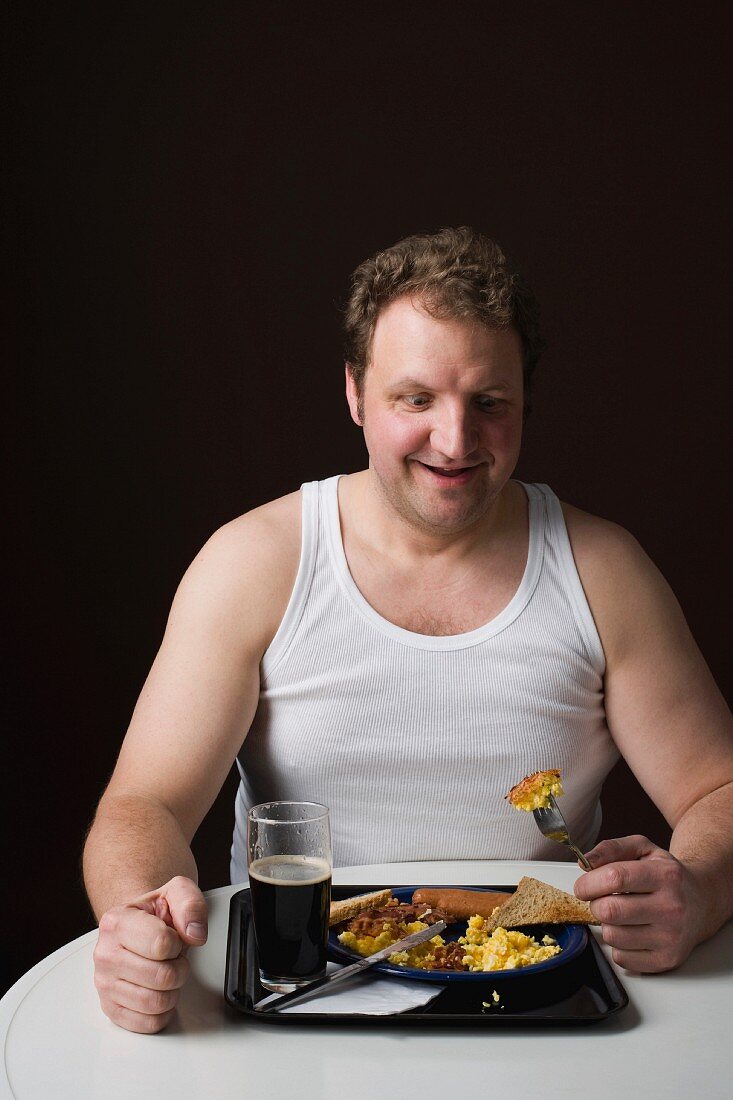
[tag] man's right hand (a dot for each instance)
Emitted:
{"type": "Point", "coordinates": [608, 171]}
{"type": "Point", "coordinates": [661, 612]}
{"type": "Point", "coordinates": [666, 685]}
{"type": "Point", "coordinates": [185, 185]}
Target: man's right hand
{"type": "Point", "coordinates": [140, 959]}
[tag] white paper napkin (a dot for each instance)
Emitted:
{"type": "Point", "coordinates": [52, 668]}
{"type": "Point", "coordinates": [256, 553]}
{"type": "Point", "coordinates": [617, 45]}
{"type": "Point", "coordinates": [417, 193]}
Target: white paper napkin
{"type": "Point", "coordinates": [367, 994]}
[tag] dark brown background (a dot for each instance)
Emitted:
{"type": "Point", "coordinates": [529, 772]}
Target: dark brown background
{"type": "Point", "coordinates": [192, 189]}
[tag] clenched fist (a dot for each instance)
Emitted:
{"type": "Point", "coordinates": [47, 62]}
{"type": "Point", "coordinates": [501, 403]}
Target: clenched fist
{"type": "Point", "coordinates": [140, 959]}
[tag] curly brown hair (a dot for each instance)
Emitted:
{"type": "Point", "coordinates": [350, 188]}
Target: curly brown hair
{"type": "Point", "coordinates": [454, 273]}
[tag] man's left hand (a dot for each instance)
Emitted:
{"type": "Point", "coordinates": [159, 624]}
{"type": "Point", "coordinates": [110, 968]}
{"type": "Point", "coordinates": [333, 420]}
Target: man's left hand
{"type": "Point", "coordinates": [648, 903]}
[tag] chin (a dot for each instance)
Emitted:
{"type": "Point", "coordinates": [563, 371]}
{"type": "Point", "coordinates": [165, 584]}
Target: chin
{"type": "Point", "coordinates": [449, 521]}
{"type": "Point", "coordinates": [441, 516]}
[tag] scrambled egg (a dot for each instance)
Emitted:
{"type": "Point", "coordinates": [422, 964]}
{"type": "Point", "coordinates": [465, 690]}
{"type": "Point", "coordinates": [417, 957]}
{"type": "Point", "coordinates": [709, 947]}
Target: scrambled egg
{"type": "Point", "coordinates": [503, 949]}
{"type": "Point", "coordinates": [367, 945]}
{"type": "Point", "coordinates": [534, 792]}
{"type": "Point", "coordinates": [498, 950]}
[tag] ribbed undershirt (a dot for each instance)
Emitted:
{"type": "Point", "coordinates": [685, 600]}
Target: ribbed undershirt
{"type": "Point", "coordinates": [413, 740]}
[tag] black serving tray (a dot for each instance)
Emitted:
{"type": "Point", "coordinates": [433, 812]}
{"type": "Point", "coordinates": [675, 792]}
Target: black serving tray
{"type": "Point", "coordinates": [585, 991]}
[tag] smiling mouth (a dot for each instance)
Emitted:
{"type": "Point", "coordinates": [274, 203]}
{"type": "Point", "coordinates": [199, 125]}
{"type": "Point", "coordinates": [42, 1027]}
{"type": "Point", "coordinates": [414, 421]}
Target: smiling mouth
{"type": "Point", "coordinates": [448, 471]}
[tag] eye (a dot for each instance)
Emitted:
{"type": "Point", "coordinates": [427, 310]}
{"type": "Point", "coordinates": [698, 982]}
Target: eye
{"type": "Point", "coordinates": [417, 400]}
{"type": "Point", "coordinates": [488, 403]}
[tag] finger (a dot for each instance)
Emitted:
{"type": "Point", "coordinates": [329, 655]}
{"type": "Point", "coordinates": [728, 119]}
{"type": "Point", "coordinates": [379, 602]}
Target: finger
{"type": "Point", "coordinates": [151, 973]}
{"type": "Point", "coordinates": [146, 904]}
{"type": "Point", "coordinates": [152, 1002]}
{"type": "Point", "coordinates": [141, 933]}
{"type": "Point", "coordinates": [625, 909]}
{"type": "Point", "coordinates": [631, 937]}
{"type": "Point", "coordinates": [640, 962]}
{"type": "Point", "coordinates": [139, 1022]}
{"type": "Point", "coordinates": [619, 849]}
{"type": "Point", "coordinates": [636, 877]}
{"type": "Point", "coordinates": [188, 910]}
{"type": "Point", "coordinates": [162, 910]}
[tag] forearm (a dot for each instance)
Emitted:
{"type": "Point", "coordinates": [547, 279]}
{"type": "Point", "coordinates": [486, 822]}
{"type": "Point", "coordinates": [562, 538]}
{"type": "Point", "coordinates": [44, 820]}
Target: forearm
{"type": "Point", "coordinates": [134, 845]}
{"type": "Point", "coordinates": [703, 841]}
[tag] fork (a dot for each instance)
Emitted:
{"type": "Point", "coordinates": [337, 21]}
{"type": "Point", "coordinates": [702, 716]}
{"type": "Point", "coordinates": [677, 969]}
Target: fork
{"type": "Point", "coordinates": [551, 822]}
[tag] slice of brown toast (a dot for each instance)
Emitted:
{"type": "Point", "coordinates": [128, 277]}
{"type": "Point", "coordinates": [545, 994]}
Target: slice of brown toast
{"type": "Point", "coordinates": [535, 902]}
{"type": "Point", "coordinates": [349, 907]}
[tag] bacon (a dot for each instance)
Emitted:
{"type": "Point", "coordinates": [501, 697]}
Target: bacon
{"type": "Point", "coordinates": [371, 922]}
{"type": "Point", "coordinates": [449, 957]}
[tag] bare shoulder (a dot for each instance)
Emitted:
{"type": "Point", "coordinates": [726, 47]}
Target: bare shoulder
{"type": "Point", "coordinates": [600, 546]}
{"type": "Point", "coordinates": [244, 574]}
{"type": "Point", "coordinates": [626, 592]}
{"type": "Point", "coordinates": [266, 539]}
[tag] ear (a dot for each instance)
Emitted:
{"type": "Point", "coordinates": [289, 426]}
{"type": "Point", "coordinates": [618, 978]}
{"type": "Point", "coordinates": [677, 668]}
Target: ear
{"type": "Point", "coordinates": [352, 397]}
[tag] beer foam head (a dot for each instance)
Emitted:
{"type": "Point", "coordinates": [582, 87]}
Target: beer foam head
{"type": "Point", "coordinates": [290, 870]}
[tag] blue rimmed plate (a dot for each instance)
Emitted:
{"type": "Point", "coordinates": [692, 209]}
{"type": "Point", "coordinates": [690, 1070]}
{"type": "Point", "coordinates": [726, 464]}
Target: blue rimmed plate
{"type": "Point", "coordinates": [571, 938]}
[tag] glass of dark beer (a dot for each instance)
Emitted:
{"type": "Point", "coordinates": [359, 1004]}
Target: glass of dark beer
{"type": "Point", "coordinates": [289, 859]}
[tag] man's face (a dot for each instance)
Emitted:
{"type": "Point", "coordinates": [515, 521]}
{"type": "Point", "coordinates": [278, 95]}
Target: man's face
{"type": "Point", "coordinates": [442, 407]}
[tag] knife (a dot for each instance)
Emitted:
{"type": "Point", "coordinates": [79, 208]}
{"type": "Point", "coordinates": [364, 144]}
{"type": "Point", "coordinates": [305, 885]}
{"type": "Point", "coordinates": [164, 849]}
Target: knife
{"type": "Point", "coordinates": [278, 1001]}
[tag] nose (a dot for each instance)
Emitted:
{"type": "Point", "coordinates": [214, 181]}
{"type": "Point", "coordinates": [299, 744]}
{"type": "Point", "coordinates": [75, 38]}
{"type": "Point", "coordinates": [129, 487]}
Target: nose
{"type": "Point", "coordinates": [454, 434]}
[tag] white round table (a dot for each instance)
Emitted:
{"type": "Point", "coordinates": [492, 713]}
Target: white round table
{"type": "Point", "coordinates": [673, 1040]}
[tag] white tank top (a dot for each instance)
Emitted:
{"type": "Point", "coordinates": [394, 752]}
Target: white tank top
{"type": "Point", "coordinates": [413, 740]}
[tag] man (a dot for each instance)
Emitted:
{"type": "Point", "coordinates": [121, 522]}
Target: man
{"type": "Point", "coordinates": [405, 643]}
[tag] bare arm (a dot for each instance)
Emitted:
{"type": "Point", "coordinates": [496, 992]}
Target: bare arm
{"type": "Point", "coordinates": [674, 729]}
{"type": "Point", "coordinates": [190, 719]}
{"type": "Point", "coordinates": [189, 722]}
{"type": "Point", "coordinates": [121, 860]}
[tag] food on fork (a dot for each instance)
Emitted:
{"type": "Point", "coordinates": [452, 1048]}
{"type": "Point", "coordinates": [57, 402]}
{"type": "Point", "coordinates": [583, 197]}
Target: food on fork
{"type": "Point", "coordinates": [536, 902]}
{"type": "Point", "coordinates": [535, 790]}
{"type": "Point", "coordinates": [460, 904]}
{"type": "Point", "coordinates": [349, 907]}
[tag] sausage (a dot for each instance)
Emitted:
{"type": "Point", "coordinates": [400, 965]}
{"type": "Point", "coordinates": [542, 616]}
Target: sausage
{"type": "Point", "coordinates": [461, 904]}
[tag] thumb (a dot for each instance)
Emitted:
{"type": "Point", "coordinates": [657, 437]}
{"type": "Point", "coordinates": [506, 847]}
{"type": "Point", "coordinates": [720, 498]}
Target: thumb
{"type": "Point", "coordinates": [187, 908]}
{"type": "Point", "coordinates": [619, 849]}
